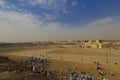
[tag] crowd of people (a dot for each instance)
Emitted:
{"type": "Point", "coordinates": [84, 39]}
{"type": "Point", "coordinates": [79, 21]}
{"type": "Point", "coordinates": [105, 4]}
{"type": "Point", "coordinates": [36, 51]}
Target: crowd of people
{"type": "Point", "coordinates": [83, 76]}
{"type": "Point", "coordinates": [41, 66]}
{"type": "Point", "coordinates": [36, 65]}
{"type": "Point", "coordinates": [100, 71]}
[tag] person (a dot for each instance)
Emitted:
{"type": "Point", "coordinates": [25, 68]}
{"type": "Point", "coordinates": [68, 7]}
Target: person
{"type": "Point", "coordinates": [119, 78]}
{"type": "Point", "coordinates": [93, 78]}
{"type": "Point", "coordinates": [101, 72]}
{"type": "Point", "coordinates": [104, 79]}
{"type": "Point", "coordinates": [82, 72]}
{"type": "Point", "coordinates": [48, 73]}
{"type": "Point", "coordinates": [98, 67]}
{"type": "Point", "coordinates": [112, 74]}
{"type": "Point", "coordinates": [65, 77]}
{"type": "Point", "coordinates": [70, 76]}
{"type": "Point", "coordinates": [34, 68]}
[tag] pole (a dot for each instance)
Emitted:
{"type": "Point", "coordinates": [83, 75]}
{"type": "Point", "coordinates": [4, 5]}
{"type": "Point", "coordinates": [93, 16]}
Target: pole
{"type": "Point", "coordinates": [81, 55]}
{"type": "Point", "coordinates": [61, 55]}
{"type": "Point", "coordinates": [34, 53]}
{"type": "Point", "coordinates": [107, 57]}
{"type": "Point", "coordinates": [81, 52]}
{"type": "Point", "coordinates": [25, 51]}
{"type": "Point", "coordinates": [109, 50]}
{"type": "Point", "coordinates": [46, 53]}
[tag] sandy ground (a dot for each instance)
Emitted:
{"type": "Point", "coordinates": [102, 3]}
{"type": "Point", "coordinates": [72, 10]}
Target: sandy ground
{"type": "Point", "coordinates": [60, 65]}
{"type": "Point", "coordinates": [74, 54]}
{"type": "Point", "coordinates": [64, 58]}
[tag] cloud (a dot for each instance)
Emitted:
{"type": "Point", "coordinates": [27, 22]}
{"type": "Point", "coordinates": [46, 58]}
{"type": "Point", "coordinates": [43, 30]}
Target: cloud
{"type": "Point", "coordinates": [106, 28]}
{"type": "Point", "coordinates": [55, 6]}
{"type": "Point", "coordinates": [103, 21]}
{"type": "Point", "coordinates": [48, 4]}
{"type": "Point", "coordinates": [2, 3]}
{"type": "Point", "coordinates": [14, 17]}
{"type": "Point", "coordinates": [5, 5]}
{"type": "Point", "coordinates": [49, 16]}
{"type": "Point", "coordinates": [17, 27]}
{"type": "Point", "coordinates": [34, 2]}
{"type": "Point", "coordinates": [23, 26]}
{"type": "Point", "coordinates": [74, 3]}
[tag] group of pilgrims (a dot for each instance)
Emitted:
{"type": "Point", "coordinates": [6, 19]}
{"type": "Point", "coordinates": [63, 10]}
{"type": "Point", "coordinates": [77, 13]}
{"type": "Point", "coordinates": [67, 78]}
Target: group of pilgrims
{"type": "Point", "coordinates": [41, 66]}
{"type": "Point", "coordinates": [35, 65]}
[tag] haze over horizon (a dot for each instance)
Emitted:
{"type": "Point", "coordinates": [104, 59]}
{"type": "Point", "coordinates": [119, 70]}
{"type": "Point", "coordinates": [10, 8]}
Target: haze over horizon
{"type": "Point", "coordinates": [44, 20]}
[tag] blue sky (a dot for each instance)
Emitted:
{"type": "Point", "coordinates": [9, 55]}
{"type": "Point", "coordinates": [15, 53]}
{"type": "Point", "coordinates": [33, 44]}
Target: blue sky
{"type": "Point", "coordinates": [36, 20]}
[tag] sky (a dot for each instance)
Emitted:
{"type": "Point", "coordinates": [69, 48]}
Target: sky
{"type": "Point", "coordinates": [50, 20]}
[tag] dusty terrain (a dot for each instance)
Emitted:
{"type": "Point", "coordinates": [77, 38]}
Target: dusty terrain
{"type": "Point", "coordinates": [74, 54]}
{"type": "Point", "coordinates": [58, 66]}
{"type": "Point", "coordinates": [64, 58]}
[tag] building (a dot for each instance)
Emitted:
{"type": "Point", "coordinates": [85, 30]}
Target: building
{"type": "Point", "coordinates": [93, 44]}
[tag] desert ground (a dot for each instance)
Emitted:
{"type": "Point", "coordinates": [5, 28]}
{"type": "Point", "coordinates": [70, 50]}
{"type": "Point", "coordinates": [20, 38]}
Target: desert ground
{"type": "Point", "coordinates": [67, 58]}
{"type": "Point", "coordinates": [73, 54]}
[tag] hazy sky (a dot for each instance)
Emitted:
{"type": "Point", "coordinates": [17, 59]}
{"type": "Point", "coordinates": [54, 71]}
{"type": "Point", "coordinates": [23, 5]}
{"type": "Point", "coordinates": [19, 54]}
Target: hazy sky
{"type": "Point", "coordinates": [38, 20]}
